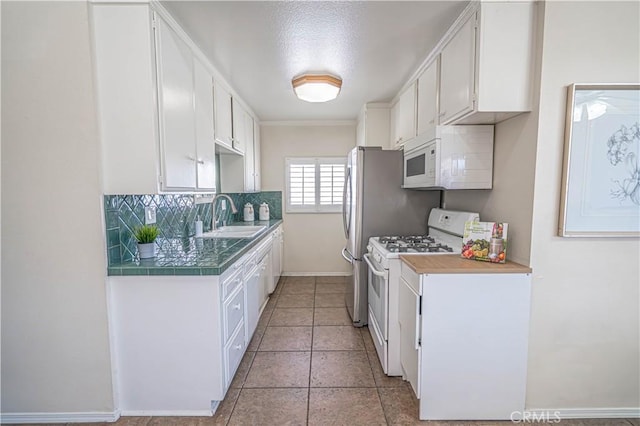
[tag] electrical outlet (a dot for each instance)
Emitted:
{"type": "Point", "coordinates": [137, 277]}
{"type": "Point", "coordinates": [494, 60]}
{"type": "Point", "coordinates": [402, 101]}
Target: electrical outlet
{"type": "Point", "coordinates": [149, 215]}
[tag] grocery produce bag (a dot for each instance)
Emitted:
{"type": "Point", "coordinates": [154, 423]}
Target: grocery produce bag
{"type": "Point", "coordinates": [486, 241]}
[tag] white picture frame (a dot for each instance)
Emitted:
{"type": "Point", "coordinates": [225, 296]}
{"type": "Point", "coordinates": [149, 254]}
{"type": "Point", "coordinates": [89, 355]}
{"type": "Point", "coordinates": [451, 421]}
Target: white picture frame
{"type": "Point", "coordinates": [601, 167]}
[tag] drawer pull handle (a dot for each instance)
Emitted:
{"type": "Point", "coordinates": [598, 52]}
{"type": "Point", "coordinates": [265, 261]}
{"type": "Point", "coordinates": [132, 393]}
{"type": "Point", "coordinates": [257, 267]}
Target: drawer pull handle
{"type": "Point", "coordinates": [236, 306]}
{"type": "Point", "coordinates": [237, 347]}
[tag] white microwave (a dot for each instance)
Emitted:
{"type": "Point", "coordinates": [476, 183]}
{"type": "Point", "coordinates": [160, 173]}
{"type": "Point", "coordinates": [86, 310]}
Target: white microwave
{"type": "Point", "coordinates": [450, 157]}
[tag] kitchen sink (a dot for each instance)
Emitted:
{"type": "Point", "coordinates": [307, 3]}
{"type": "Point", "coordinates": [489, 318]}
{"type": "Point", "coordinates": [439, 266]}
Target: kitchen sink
{"type": "Point", "coordinates": [235, 232]}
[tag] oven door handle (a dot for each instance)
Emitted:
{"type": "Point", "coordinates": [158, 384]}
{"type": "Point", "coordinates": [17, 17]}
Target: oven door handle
{"type": "Point", "coordinates": [374, 271]}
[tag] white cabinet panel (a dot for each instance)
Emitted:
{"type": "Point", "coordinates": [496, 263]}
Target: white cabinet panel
{"type": "Point", "coordinates": [428, 98]}
{"type": "Point", "coordinates": [205, 145]}
{"type": "Point", "coordinates": [128, 130]}
{"type": "Point", "coordinates": [177, 119]}
{"type": "Point", "coordinates": [373, 125]}
{"type": "Point", "coordinates": [457, 77]}
{"type": "Point", "coordinates": [257, 177]}
{"type": "Point", "coordinates": [223, 127]}
{"type": "Point", "coordinates": [409, 302]}
{"type": "Point", "coordinates": [252, 284]}
{"type": "Point", "coordinates": [404, 117]}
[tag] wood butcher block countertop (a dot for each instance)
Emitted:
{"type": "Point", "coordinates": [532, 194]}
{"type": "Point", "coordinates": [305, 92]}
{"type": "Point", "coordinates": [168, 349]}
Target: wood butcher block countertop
{"type": "Point", "coordinates": [454, 264]}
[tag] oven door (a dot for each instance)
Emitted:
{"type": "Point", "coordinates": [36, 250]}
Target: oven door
{"type": "Point", "coordinates": [378, 286]}
{"type": "Point", "coordinates": [420, 166]}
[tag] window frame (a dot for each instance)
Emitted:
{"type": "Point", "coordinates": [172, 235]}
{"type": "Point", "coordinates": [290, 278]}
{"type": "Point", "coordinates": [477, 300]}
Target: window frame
{"type": "Point", "coordinates": [317, 162]}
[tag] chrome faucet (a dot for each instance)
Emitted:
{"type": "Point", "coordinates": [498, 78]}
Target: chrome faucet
{"type": "Point", "coordinates": [213, 206]}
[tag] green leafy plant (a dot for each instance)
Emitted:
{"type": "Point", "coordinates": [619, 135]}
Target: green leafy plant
{"type": "Point", "coordinates": [146, 234]}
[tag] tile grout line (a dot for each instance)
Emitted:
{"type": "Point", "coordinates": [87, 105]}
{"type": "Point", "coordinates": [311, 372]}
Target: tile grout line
{"type": "Point", "coordinates": [313, 323]}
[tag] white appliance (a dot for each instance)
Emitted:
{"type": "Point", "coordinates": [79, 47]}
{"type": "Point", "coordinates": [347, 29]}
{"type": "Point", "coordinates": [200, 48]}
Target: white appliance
{"type": "Point", "coordinates": [383, 258]}
{"type": "Point", "coordinates": [450, 157]}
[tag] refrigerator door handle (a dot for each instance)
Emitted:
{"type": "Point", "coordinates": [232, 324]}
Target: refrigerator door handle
{"type": "Point", "coordinates": [346, 220]}
{"type": "Point", "coordinates": [347, 256]}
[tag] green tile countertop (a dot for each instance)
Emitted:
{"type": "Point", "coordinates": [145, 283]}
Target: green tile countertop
{"type": "Point", "coordinates": [194, 256]}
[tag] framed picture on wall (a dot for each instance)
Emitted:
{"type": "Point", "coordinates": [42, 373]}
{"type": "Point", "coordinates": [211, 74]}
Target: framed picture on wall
{"type": "Point", "coordinates": [601, 170]}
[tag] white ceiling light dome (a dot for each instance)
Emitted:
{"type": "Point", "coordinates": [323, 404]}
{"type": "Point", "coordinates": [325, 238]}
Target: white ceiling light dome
{"type": "Point", "coordinates": [316, 87]}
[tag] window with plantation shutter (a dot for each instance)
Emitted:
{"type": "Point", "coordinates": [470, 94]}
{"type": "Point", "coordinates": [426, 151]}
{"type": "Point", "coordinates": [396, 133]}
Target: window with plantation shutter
{"type": "Point", "coordinates": [314, 185]}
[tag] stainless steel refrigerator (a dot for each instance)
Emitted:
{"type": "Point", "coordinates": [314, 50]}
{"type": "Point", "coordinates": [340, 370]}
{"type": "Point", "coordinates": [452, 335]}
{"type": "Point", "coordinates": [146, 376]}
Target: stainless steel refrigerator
{"type": "Point", "coordinates": [374, 204]}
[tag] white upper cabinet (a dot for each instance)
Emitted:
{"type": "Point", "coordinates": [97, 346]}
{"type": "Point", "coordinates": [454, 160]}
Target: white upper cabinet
{"type": "Point", "coordinates": [223, 116]}
{"type": "Point", "coordinates": [185, 106]}
{"type": "Point", "coordinates": [156, 103]}
{"type": "Point", "coordinates": [176, 108]}
{"type": "Point", "coordinates": [205, 144]}
{"type": "Point", "coordinates": [478, 73]}
{"type": "Point", "coordinates": [257, 177]}
{"type": "Point", "coordinates": [428, 98]}
{"type": "Point", "coordinates": [128, 129]}
{"type": "Point", "coordinates": [373, 125]}
{"type": "Point", "coordinates": [457, 62]}
{"type": "Point", "coordinates": [240, 127]}
{"type": "Point", "coordinates": [486, 67]}
{"type": "Point", "coordinates": [403, 116]}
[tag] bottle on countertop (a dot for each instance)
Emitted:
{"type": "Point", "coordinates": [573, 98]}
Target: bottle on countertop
{"type": "Point", "coordinates": [249, 215]}
{"type": "Point", "coordinates": [198, 227]}
{"type": "Point", "coordinates": [264, 211]}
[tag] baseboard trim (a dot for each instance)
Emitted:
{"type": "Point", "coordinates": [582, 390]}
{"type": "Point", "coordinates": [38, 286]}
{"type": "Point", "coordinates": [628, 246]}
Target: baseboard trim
{"type": "Point", "coordinates": [89, 417]}
{"type": "Point", "coordinates": [315, 274]}
{"type": "Point", "coordinates": [166, 413]}
{"type": "Point", "coordinates": [584, 413]}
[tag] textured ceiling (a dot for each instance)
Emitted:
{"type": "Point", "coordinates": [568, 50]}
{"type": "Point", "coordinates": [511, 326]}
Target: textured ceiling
{"type": "Point", "coordinates": [374, 46]}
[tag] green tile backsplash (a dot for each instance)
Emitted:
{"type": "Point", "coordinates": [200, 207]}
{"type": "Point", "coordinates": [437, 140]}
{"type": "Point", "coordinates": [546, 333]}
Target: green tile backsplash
{"type": "Point", "coordinates": [175, 217]}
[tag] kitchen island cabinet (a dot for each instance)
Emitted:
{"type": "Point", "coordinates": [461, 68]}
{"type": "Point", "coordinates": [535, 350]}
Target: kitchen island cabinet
{"type": "Point", "coordinates": [178, 339]}
{"type": "Point", "coordinates": [464, 329]}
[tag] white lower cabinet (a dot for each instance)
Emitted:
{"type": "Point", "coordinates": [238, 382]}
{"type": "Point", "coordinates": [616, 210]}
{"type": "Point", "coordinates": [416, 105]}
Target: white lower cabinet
{"type": "Point", "coordinates": [177, 341]}
{"type": "Point", "coordinates": [464, 342]}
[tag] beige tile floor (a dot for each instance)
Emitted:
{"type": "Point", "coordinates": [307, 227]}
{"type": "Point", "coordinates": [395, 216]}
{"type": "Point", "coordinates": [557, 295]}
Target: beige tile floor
{"type": "Point", "coordinates": [306, 365]}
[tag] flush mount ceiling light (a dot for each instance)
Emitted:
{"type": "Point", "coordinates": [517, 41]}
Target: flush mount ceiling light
{"type": "Point", "coordinates": [316, 88]}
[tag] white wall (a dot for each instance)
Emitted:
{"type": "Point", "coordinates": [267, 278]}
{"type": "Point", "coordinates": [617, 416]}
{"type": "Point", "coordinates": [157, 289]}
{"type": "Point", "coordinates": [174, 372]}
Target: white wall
{"type": "Point", "coordinates": [312, 242]}
{"type": "Point", "coordinates": [55, 346]}
{"type": "Point", "coordinates": [584, 342]}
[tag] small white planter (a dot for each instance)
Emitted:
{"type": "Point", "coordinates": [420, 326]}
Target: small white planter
{"type": "Point", "coordinates": [147, 251]}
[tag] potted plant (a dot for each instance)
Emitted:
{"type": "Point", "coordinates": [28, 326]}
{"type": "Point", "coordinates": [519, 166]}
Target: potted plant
{"type": "Point", "coordinates": [146, 236]}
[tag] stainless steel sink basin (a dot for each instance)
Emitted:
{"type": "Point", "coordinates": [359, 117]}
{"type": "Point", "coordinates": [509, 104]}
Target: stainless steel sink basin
{"type": "Point", "coordinates": [235, 232]}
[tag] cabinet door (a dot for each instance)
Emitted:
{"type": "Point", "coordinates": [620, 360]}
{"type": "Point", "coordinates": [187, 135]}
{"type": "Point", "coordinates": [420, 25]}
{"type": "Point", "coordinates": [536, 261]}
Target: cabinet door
{"type": "Point", "coordinates": [222, 113]}
{"type": "Point", "coordinates": [256, 158]}
{"type": "Point", "coordinates": [407, 115]}
{"type": "Point", "coordinates": [394, 118]}
{"type": "Point", "coordinates": [457, 73]}
{"type": "Point", "coordinates": [276, 258]}
{"type": "Point", "coordinates": [205, 145]}
{"type": "Point", "coordinates": [408, 317]}
{"type": "Point", "coordinates": [252, 291]}
{"type": "Point", "coordinates": [265, 280]}
{"type": "Point", "coordinates": [249, 156]}
{"type": "Point", "coordinates": [428, 98]}
{"type": "Point", "coordinates": [176, 113]}
{"type": "Point", "coordinates": [239, 128]}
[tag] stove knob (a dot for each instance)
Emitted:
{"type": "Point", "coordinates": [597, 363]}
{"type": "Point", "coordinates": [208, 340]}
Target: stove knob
{"type": "Point", "coordinates": [377, 258]}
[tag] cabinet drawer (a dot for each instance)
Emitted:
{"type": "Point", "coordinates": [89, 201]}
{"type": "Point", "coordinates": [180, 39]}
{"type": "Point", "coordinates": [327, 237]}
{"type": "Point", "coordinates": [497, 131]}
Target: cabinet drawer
{"type": "Point", "coordinates": [411, 277]}
{"type": "Point", "coordinates": [230, 283]}
{"type": "Point", "coordinates": [233, 352]}
{"type": "Point", "coordinates": [233, 313]}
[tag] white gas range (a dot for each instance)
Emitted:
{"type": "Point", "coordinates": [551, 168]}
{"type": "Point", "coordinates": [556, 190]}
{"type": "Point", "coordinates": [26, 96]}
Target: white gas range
{"type": "Point", "coordinates": [446, 228]}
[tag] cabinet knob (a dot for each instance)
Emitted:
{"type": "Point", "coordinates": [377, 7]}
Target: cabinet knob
{"type": "Point", "coordinates": [200, 161]}
{"type": "Point", "coordinates": [236, 306]}
{"type": "Point", "coordinates": [237, 347]}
